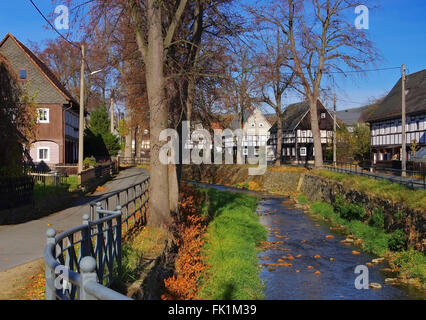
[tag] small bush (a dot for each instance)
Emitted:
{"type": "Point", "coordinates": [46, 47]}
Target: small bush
{"type": "Point", "coordinates": [352, 211]}
{"type": "Point", "coordinates": [377, 219]}
{"type": "Point", "coordinates": [412, 263]}
{"type": "Point", "coordinates": [302, 199]}
{"type": "Point", "coordinates": [397, 240]}
{"type": "Point", "coordinates": [323, 209]}
{"type": "Point", "coordinates": [398, 215]}
{"type": "Point", "coordinates": [89, 162]}
{"type": "Point", "coordinates": [339, 202]}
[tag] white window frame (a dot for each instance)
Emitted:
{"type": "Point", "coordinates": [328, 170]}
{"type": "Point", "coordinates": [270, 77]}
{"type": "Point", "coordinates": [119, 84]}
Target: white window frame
{"type": "Point", "coordinates": [47, 115]}
{"type": "Point", "coordinates": [323, 115]}
{"type": "Point", "coordinates": [260, 124]}
{"type": "Point", "coordinates": [38, 154]}
{"type": "Point", "coordinates": [303, 154]}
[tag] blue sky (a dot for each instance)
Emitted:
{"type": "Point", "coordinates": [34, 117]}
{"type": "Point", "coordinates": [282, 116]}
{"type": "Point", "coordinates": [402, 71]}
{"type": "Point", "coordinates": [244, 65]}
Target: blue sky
{"type": "Point", "coordinates": [397, 27]}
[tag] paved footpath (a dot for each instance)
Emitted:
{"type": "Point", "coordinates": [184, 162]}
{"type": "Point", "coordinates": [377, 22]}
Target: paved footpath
{"type": "Point", "coordinates": [25, 242]}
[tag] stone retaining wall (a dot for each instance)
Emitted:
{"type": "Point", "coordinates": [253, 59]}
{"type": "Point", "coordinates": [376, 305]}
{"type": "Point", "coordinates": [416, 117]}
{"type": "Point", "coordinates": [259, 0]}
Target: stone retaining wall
{"type": "Point", "coordinates": [317, 188]}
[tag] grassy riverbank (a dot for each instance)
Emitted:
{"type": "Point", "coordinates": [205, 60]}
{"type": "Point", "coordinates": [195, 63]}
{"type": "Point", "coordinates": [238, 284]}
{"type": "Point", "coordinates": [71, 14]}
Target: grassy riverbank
{"type": "Point", "coordinates": [230, 247]}
{"type": "Point", "coordinates": [415, 199]}
{"type": "Point", "coordinates": [407, 262]}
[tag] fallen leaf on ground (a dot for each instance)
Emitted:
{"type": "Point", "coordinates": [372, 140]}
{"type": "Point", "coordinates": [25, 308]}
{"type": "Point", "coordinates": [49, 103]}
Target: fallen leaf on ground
{"type": "Point", "coordinates": [355, 252]}
{"type": "Point", "coordinates": [317, 256]}
{"type": "Point", "coordinates": [329, 236]}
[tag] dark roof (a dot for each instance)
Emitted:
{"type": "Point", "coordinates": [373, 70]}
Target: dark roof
{"type": "Point", "coordinates": [352, 116]}
{"type": "Point", "coordinates": [415, 99]}
{"type": "Point", "coordinates": [271, 117]}
{"type": "Point", "coordinates": [236, 122]}
{"type": "Point", "coordinates": [43, 68]}
{"type": "Point", "coordinates": [292, 115]}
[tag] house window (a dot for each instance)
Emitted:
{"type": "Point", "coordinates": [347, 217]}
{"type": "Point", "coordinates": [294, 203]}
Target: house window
{"type": "Point", "coordinates": [252, 124]}
{"type": "Point", "coordinates": [43, 115]}
{"type": "Point", "coordinates": [23, 74]}
{"type": "Point", "coordinates": [303, 152]}
{"type": "Point", "coordinates": [261, 125]}
{"type": "Point", "coordinates": [322, 115]}
{"type": "Point", "coordinates": [43, 154]}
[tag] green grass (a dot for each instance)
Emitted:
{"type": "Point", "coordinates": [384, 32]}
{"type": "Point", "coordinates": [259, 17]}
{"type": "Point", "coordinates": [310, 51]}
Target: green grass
{"type": "Point", "coordinates": [375, 239]}
{"type": "Point", "coordinates": [415, 199]}
{"type": "Point", "coordinates": [148, 243]}
{"type": "Point", "coordinates": [411, 263]}
{"type": "Point", "coordinates": [72, 181]}
{"type": "Point", "coordinates": [43, 191]}
{"type": "Point", "coordinates": [302, 199]}
{"type": "Point", "coordinates": [230, 248]}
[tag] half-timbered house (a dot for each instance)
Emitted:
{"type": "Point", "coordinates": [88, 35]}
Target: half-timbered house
{"type": "Point", "coordinates": [298, 144]}
{"type": "Point", "coordinates": [386, 121]}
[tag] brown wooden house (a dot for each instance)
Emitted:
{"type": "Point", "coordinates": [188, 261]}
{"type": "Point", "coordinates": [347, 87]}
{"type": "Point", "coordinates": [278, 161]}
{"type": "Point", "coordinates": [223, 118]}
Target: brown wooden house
{"type": "Point", "coordinates": [58, 112]}
{"type": "Point", "coordinates": [298, 144]}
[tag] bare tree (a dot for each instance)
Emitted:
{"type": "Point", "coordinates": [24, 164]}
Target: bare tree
{"type": "Point", "coordinates": [275, 75]}
{"type": "Point", "coordinates": [322, 42]}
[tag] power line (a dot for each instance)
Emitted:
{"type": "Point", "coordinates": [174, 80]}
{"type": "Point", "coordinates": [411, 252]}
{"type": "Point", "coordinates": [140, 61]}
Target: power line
{"type": "Point", "coordinates": [365, 70]}
{"type": "Point", "coordinates": [52, 26]}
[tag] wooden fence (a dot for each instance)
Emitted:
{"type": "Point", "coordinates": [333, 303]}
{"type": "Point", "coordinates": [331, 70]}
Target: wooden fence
{"type": "Point", "coordinates": [15, 192]}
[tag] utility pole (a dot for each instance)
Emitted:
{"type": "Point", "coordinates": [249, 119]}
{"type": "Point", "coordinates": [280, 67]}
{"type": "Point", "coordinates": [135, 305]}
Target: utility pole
{"type": "Point", "coordinates": [334, 133]}
{"type": "Point", "coordinates": [111, 111]}
{"type": "Point", "coordinates": [81, 122]}
{"type": "Point", "coordinates": [404, 141]}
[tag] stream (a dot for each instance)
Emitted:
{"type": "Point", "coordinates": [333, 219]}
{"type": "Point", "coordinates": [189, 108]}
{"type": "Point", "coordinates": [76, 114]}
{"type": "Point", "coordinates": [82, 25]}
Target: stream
{"type": "Point", "coordinates": [301, 245]}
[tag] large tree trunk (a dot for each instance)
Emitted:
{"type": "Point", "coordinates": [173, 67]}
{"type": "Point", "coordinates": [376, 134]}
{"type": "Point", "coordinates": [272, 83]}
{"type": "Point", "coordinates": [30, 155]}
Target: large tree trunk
{"type": "Point", "coordinates": [128, 146]}
{"type": "Point", "coordinates": [316, 133]}
{"type": "Point", "coordinates": [279, 141]}
{"type": "Point", "coordinates": [138, 141]}
{"type": "Point", "coordinates": [159, 185]}
{"type": "Point", "coordinates": [173, 189]}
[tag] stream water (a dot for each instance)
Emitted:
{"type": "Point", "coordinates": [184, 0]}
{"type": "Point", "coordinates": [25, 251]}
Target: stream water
{"type": "Point", "coordinates": [298, 236]}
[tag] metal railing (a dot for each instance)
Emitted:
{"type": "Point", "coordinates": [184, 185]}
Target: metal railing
{"type": "Point", "coordinates": [413, 179]}
{"type": "Point", "coordinates": [134, 161]}
{"type": "Point", "coordinates": [82, 262]}
{"type": "Point", "coordinates": [51, 178]}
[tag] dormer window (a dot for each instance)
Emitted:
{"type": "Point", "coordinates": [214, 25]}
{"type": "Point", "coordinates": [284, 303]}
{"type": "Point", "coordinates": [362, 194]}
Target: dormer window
{"type": "Point", "coordinates": [261, 125]}
{"type": "Point", "coordinates": [322, 115]}
{"type": "Point", "coordinates": [23, 74]}
{"type": "Point", "coordinates": [252, 124]}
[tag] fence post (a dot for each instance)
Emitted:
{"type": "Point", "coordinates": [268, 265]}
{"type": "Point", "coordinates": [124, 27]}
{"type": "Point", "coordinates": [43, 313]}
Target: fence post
{"type": "Point", "coordinates": [98, 207]}
{"type": "Point", "coordinates": [50, 274]}
{"type": "Point", "coordinates": [88, 273]}
{"type": "Point", "coordinates": [118, 238]}
{"type": "Point", "coordinates": [85, 241]}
